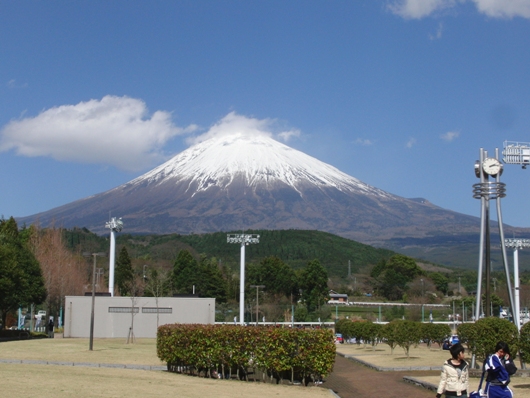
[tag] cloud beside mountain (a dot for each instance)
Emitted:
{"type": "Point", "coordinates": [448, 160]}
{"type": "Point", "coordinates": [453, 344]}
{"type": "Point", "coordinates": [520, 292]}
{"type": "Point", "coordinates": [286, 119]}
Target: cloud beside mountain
{"type": "Point", "coordinates": [118, 131]}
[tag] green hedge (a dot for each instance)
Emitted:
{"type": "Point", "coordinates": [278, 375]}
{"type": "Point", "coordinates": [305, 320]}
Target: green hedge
{"type": "Point", "coordinates": [276, 352]}
{"type": "Point", "coordinates": [8, 334]}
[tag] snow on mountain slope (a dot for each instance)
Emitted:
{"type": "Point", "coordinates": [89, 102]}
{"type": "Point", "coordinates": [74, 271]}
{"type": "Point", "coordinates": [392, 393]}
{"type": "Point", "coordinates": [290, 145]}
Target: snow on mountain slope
{"type": "Point", "coordinates": [257, 158]}
{"type": "Point", "coordinates": [237, 179]}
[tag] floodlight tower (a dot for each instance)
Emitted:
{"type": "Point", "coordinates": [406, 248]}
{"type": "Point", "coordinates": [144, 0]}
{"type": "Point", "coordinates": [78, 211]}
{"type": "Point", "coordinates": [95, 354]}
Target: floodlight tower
{"type": "Point", "coordinates": [516, 244]}
{"type": "Point", "coordinates": [115, 225]}
{"type": "Point", "coordinates": [516, 153]}
{"type": "Point", "coordinates": [486, 191]}
{"type": "Point", "coordinates": [243, 240]}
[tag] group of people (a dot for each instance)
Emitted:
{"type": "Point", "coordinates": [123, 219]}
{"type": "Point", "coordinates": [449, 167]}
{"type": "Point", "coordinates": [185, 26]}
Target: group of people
{"type": "Point", "coordinates": [454, 380]}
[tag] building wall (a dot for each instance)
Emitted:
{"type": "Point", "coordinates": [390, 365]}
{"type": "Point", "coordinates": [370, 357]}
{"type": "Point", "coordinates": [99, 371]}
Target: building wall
{"type": "Point", "coordinates": [113, 315]}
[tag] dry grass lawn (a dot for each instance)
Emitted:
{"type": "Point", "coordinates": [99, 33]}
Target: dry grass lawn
{"type": "Point", "coordinates": [47, 381]}
{"type": "Point", "coordinates": [381, 355]}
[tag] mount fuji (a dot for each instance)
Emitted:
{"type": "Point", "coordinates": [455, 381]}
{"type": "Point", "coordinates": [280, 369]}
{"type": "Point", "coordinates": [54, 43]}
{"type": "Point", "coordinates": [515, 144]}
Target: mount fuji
{"type": "Point", "coordinates": [241, 181]}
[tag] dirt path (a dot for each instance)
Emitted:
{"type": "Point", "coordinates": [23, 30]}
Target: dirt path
{"type": "Point", "coordinates": [352, 380]}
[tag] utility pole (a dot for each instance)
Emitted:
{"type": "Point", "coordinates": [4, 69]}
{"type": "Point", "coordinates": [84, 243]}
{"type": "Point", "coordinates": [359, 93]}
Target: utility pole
{"type": "Point", "coordinates": [91, 340]}
{"type": "Point", "coordinates": [257, 300]}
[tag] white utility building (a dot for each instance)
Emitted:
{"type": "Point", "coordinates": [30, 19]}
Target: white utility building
{"type": "Point", "coordinates": [114, 316]}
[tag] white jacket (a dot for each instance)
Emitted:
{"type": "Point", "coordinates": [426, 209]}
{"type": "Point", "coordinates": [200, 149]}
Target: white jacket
{"type": "Point", "coordinates": [453, 379]}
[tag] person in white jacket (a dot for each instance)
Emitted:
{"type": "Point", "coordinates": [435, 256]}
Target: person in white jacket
{"type": "Point", "coordinates": [454, 380]}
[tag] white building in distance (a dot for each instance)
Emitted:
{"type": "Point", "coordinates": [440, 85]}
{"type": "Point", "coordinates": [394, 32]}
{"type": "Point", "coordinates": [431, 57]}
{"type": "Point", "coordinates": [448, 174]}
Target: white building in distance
{"type": "Point", "coordinates": [113, 316]}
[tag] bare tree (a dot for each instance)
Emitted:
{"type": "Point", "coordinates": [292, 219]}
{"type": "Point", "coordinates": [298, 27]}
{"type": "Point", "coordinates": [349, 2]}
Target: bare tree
{"type": "Point", "coordinates": [157, 285]}
{"type": "Point", "coordinates": [64, 272]}
{"type": "Point", "coordinates": [136, 288]}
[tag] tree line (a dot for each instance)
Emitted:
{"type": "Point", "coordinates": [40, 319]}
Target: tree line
{"type": "Point", "coordinates": [207, 277]}
{"type": "Point", "coordinates": [296, 267]}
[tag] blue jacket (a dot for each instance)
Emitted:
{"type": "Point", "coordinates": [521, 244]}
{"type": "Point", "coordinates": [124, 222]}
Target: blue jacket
{"type": "Point", "coordinates": [497, 372]}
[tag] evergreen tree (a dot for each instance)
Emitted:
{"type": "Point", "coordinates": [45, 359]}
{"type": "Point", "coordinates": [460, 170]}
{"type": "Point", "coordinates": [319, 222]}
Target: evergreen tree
{"type": "Point", "coordinates": [185, 273]}
{"type": "Point", "coordinates": [314, 283]}
{"type": "Point", "coordinates": [394, 276]}
{"type": "Point", "coordinates": [440, 281]}
{"type": "Point", "coordinates": [21, 281]}
{"type": "Point", "coordinates": [277, 276]}
{"type": "Point", "coordinates": [123, 274]}
{"type": "Point", "coordinates": [211, 282]}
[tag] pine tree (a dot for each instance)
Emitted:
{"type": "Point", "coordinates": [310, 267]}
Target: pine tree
{"type": "Point", "coordinates": [21, 281]}
{"type": "Point", "coordinates": [314, 283]}
{"type": "Point", "coordinates": [185, 273]}
{"type": "Point", "coordinates": [212, 283]}
{"type": "Point", "coordinates": [124, 275]}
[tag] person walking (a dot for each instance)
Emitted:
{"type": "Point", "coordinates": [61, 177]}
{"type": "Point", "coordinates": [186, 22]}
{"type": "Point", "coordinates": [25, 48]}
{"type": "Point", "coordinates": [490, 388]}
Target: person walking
{"type": "Point", "coordinates": [454, 380]}
{"type": "Point", "coordinates": [499, 367]}
{"type": "Point", "coordinates": [50, 328]}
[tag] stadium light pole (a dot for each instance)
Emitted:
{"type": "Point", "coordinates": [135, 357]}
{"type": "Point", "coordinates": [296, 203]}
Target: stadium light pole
{"type": "Point", "coordinates": [257, 299]}
{"type": "Point", "coordinates": [95, 255]}
{"type": "Point", "coordinates": [516, 153]}
{"type": "Point", "coordinates": [243, 240]}
{"type": "Point", "coordinates": [516, 244]}
{"type": "Point", "coordinates": [115, 225]}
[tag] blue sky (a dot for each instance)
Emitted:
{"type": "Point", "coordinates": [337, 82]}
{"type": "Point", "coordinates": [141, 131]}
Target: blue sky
{"type": "Point", "coordinates": [399, 94]}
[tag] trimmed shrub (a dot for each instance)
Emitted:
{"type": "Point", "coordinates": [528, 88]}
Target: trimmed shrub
{"type": "Point", "coordinates": [524, 342]}
{"type": "Point", "coordinates": [434, 333]}
{"type": "Point", "coordinates": [482, 336]}
{"type": "Point", "coordinates": [220, 349]}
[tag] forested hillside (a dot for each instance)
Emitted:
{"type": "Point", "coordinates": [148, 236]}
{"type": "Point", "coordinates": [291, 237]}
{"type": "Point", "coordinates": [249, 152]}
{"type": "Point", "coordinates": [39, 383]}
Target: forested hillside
{"type": "Point", "coordinates": [294, 247]}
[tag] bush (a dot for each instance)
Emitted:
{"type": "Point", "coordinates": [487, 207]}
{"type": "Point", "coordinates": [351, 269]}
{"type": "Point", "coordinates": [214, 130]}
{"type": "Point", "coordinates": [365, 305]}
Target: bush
{"type": "Point", "coordinates": [406, 334]}
{"type": "Point", "coordinates": [222, 348]}
{"type": "Point", "coordinates": [16, 334]}
{"type": "Point", "coordinates": [388, 333]}
{"type": "Point", "coordinates": [482, 336]}
{"type": "Point", "coordinates": [524, 342]}
{"type": "Point", "coordinates": [434, 333]}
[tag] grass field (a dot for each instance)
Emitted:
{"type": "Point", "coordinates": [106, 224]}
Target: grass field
{"type": "Point", "coordinates": [51, 381]}
{"type": "Point", "coordinates": [47, 381]}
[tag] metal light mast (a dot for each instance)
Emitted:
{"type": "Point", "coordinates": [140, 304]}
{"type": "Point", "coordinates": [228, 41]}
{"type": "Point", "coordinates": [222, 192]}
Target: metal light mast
{"type": "Point", "coordinates": [244, 240]}
{"type": "Point", "coordinates": [115, 225]}
{"type": "Point", "coordinates": [515, 152]}
{"type": "Point", "coordinates": [486, 191]}
{"type": "Point", "coordinates": [516, 244]}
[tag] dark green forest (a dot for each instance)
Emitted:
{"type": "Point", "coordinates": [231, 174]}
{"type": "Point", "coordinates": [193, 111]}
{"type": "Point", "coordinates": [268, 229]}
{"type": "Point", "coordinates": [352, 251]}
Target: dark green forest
{"type": "Point", "coordinates": [294, 247]}
{"type": "Point", "coordinates": [297, 267]}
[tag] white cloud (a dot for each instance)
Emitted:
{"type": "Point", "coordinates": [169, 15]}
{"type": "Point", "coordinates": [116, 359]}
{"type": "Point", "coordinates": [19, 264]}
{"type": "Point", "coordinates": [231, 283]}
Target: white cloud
{"type": "Point", "coordinates": [14, 84]}
{"type": "Point", "coordinates": [411, 142]}
{"type": "Point", "coordinates": [363, 141]}
{"type": "Point", "coordinates": [504, 8]}
{"type": "Point", "coordinates": [287, 135]}
{"type": "Point", "coordinates": [239, 124]}
{"type": "Point", "coordinates": [438, 34]}
{"type": "Point", "coordinates": [417, 9]}
{"type": "Point", "coordinates": [450, 136]}
{"type": "Point", "coordinates": [114, 130]}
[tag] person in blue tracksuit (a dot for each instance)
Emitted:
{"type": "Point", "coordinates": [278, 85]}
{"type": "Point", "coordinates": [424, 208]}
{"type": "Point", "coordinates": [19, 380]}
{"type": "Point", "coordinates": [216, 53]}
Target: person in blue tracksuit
{"type": "Point", "coordinates": [499, 367]}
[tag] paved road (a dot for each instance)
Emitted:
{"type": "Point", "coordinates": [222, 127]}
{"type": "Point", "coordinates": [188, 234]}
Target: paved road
{"type": "Point", "coordinates": [352, 380]}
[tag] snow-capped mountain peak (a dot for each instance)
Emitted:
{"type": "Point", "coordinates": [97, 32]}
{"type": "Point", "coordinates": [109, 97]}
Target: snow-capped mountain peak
{"type": "Point", "coordinates": [258, 159]}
